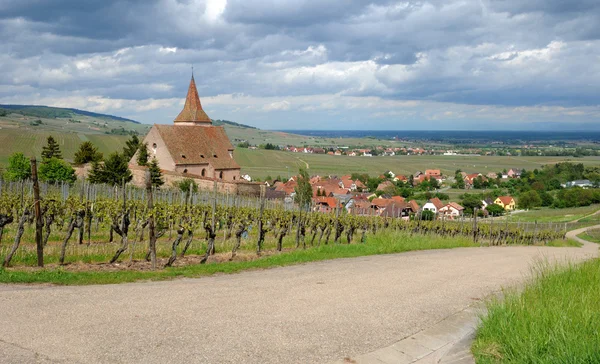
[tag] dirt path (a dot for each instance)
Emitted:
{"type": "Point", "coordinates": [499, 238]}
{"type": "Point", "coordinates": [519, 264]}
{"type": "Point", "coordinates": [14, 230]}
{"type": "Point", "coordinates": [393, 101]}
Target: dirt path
{"type": "Point", "coordinates": [311, 313]}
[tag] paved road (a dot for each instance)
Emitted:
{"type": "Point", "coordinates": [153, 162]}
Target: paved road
{"type": "Point", "coordinates": [312, 313]}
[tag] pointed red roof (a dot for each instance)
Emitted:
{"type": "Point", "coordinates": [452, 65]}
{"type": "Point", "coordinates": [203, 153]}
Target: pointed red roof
{"type": "Point", "coordinates": [192, 110]}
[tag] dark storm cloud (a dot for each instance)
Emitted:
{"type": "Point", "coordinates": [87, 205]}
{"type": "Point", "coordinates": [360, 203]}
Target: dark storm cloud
{"type": "Point", "coordinates": [472, 52]}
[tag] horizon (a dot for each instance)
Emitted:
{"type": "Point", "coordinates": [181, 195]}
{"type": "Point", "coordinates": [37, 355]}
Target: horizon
{"type": "Point", "coordinates": [452, 65]}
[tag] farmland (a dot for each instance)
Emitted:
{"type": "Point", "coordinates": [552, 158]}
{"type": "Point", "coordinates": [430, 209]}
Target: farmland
{"type": "Point", "coordinates": [262, 163]}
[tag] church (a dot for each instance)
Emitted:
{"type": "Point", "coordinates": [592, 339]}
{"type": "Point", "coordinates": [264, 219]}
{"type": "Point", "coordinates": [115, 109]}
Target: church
{"type": "Point", "coordinates": [192, 146]}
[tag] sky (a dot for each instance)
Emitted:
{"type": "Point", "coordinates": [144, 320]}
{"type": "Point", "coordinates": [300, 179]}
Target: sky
{"type": "Point", "coordinates": [322, 64]}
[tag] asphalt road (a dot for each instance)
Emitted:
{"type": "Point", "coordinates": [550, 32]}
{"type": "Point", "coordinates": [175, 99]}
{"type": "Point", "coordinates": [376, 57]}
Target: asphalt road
{"type": "Point", "coordinates": [311, 313]}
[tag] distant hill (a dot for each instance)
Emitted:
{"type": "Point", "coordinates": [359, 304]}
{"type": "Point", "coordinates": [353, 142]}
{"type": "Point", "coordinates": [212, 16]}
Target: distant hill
{"type": "Point", "coordinates": [57, 112]}
{"type": "Point", "coordinates": [232, 123]}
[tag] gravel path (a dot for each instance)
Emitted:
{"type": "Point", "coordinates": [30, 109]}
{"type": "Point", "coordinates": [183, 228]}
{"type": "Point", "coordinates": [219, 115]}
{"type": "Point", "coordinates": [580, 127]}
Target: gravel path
{"type": "Point", "coordinates": [311, 313]}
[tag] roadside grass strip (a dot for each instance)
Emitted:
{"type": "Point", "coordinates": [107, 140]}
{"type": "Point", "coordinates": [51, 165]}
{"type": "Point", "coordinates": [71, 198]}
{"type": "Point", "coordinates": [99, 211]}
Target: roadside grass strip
{"type": "Point", "coordinates": [554, 319]}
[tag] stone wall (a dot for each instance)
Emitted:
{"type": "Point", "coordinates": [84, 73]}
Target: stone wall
{"type": "Point", "coordinates": [171, 179]}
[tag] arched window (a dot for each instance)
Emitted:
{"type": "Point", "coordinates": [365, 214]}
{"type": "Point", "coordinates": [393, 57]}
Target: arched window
{"type": "Point", "coordinates": [221, 175]}
{"type": "Point", "coordinates": [185, 170]}
{"type": "Point", "coordinates": [234, 178]}
{"type": "Point", "coordinates": [203, 172]}
{"type": "Point", "coordinates": [154, 146]}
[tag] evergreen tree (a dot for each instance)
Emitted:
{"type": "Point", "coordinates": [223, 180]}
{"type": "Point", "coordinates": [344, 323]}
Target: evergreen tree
{"type": "Point", "coordinates": [142, 157]}
{"type": "Point", "coordinates": [114, 171]}
{"type": "Point", "coordinates": [87, 153]}
{"type": "Point", "coordinates": [131, 147]}
{"type": "Point", "coordinates": [155, 173]}
{"type": "Point", "coordinates": [18, 168]}
{"type": "Point", "coordinates": [52, 150]}
{"type": "Point", "coordinates": [56, 170]}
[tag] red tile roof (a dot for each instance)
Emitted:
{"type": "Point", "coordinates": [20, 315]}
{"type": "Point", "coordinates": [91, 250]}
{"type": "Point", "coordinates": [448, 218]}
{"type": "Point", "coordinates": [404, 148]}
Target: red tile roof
{"type": "Point", "coordinates": [192, 110]}
{"type": "Point", "coordinates": [506, 200]}
{"type": "Point", "coordinates": [436, 202]}
{"type": "Point", "coordinates": [197, 144]}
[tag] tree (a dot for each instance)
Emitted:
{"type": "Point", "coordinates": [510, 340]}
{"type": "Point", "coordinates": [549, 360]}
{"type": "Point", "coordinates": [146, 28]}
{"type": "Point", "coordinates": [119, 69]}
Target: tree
{"type": "Point", "coordinates": [187, 185]}
{"type": "Point", "coordinates": [470, 202]}
{"type": "Point", "coordinates": [460, 182]}
{"type": "Point", "coordinates": [495, 210]}
{"type": "Point", "coordinates": [51, 150]}
{"type": "Point", "coordinates": [55, 170]}
{"type": "Point", "coordinates": [427, 215]}
{"type": "Point", "coordinates": [303, 190]}
{"type": "Point", "coordinates": [87, 153]}
{"type": "Point", "coordinates": [142, 158]}
{"type": "Point", "coordinates": [113, 172]}
{"type": "Point", "coordinates": [529, 200]}
{"type": "Point", "coordinates": [18, 168]}
{"type": "Point", "coordinates": [155, 173]}
{"type": "Point", "coordinates": [131, 146]}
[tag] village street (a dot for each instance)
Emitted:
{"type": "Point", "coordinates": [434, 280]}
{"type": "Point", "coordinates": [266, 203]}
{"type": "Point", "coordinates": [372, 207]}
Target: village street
{"type": "Point", "coordinates": [310, 313]}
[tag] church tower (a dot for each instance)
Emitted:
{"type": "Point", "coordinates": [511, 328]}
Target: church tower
{"type": "Point", "coordinates": [192, 113]}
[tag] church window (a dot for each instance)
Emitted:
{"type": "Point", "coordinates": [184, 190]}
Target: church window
{"type": "Point", "coordinates": [203, 172]}
{"type": "Point", "coordinates": [221, 175]}
{"type": "Point", "coordinates": [154, 146]}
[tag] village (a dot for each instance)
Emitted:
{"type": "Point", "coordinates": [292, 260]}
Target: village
{"type": "Point", "coordinates": [331, 193]}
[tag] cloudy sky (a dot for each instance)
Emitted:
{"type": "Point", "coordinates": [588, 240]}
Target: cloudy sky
{"type": "Point", "coordinates": [321, 64]}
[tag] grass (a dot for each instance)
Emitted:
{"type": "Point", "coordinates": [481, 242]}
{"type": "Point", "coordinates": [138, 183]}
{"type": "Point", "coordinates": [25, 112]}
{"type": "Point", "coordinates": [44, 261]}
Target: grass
{"type": "Point", "coordinates": [568, 243]}
{"type": "Point", "coordinates": [592, 235]}
{"type": "Point", "coordinates": [382, 243]}
{"type": "Point", "coordinates": [555, 319]}
{"type": "Point", "coordinates": [544, 215]}
{"type": "Point", "coordinates": [261, 163]}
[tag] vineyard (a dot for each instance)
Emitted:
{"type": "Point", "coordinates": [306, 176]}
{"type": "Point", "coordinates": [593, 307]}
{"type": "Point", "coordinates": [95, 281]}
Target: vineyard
{"type": "Point", "coordinates": [149, 229]}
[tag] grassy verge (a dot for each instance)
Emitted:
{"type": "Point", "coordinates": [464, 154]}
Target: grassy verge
{"type": "Point", "coordinates": [383, 243]}
{"type": "Point", "coordinates": [547, 215]}
{"type": "Point", "coordinates": [592, 235]}
{"type": "Point", "coordinates": [569, 243]}
{"type": "Point", "coordinates": [555, 319]}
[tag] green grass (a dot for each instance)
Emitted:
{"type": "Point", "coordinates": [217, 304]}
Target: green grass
{"type": "Point", "coordinates": [30, 142]}
{"type": "Point", "coordinates": [382, 243]}
{"type": "Point", "coordinates": [261, 163]}
{"type": "Point", "coordinates": [569, 243]}
{"type": "Point", "coordinates": [592, 235]}
{"type": "Point", "coordinates": [557, 215]}
{"type": "Point", "coordinates": [555, 319]}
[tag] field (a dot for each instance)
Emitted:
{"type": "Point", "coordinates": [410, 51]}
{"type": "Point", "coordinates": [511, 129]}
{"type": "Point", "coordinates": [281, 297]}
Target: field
{"type": "Point", "coordinates": [262, 163]}
{"type": "Point", "coordinates": [554, 320]}
{"type": "Point", "coordinates": [30, 142]}
{"type": "Point", "coordinates": [591, 235]}
{"type": "Point", "coordinates": [580, 214]}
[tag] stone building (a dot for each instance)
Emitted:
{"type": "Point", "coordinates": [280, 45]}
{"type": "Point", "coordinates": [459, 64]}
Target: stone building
{"type": "Point", "coordinates": [192, 146]}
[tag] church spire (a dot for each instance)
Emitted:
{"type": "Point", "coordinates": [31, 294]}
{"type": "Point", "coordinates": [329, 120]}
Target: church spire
{"type": "Point", "coordinates": [192, 110]}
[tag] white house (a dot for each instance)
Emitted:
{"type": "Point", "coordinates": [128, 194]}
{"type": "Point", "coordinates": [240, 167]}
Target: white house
{"type": "Point", "coordinates": [434, 205]}
{"type": "Point", "coordinates": [452, 209]}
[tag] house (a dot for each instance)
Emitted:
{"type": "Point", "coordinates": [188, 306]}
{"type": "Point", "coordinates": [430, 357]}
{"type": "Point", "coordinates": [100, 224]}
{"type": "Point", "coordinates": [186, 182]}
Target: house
{"type": "Point", "coordinates": [452, 209]}
{"type": "Point", "coordinates": [337, 152]}
{"type": "Point", "coordinates": [486, 202]}
{"type": "Point", "coordinates": [325, 204]}
{"type": "Point", "coordinates": [397, 210]}
{"type": "Point", "coordinates": [507, 202]}
{"type": "Point", "coordinates": [246, 177]}
{"type": "Point", "coordinates": [514, 173]}
{"type": "Point", "coordinates": [434, 204]}
{"type": "Point", "coordinates": [385, 185]}
{"type": "Point", "coordinates": [492, 175]}
{"type": "Point", "coordinates": [352, 154]}
{"type": "Point", "coordinates": [192, 145]}
{"type": "Point", "coordinates": [390, 173]}
{"type": "Point", "coordinates": [583, 183]}
{"type": "Point", "coordinates": [414, 206]}
{"type": "Point", "coordinates": [400, 177]}
{"type": "Point", "coordinates": [433, 173]}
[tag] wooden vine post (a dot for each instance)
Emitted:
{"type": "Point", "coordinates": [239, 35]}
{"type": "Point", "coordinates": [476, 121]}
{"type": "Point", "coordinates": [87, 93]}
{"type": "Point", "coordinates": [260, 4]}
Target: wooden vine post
{"type": "Point", "coordinates": [151, 229]}
{"type": "Point", "coordinates": [38, 214]}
